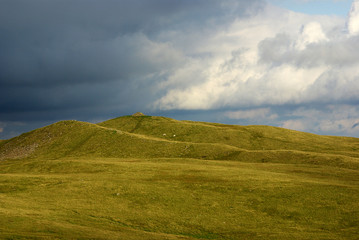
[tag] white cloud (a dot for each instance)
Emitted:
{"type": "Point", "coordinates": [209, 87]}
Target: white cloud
{"type": "Point", "coordinates": [261, 113]}
{"type": "Point", "coordinates": [338, 119]}
{"type": "Point", "coordinates": [275, 57]}
{"type": "Point", "coordinates": [353, 19]}
{"type": "Point", "coordinates": [298, 125]}
{"type": "Point", "coordinates": [332, 119]}
{"type": "Point", "coordinates": [309, 34]}
{"type": "Point", "coordinates": [271, 60]}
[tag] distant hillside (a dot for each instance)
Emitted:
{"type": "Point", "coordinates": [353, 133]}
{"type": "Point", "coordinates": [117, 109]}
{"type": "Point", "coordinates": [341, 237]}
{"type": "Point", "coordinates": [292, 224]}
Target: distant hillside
{"type": "Point", "coordinates": [149, 136]}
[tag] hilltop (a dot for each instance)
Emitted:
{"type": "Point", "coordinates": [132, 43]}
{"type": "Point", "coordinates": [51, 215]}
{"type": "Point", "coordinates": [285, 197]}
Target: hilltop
{"type": "Point", "coordinates": [148, 177]}
{"type": "Point", "coordinates": [150, 136]}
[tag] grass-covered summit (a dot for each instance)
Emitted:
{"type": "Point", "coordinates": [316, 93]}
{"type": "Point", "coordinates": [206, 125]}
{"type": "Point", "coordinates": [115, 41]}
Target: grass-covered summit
{"type": "Point", "coordinates": [148, 136]}
{"type": "Point", "coordinates": [146, 177]}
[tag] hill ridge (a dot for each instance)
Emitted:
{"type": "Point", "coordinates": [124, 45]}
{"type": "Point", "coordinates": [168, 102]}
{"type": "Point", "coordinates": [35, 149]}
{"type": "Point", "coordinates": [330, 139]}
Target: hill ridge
{"type": "Point", "coordinates": [151, 136]}
{"type": "Point", "coordinates": [253, 133]}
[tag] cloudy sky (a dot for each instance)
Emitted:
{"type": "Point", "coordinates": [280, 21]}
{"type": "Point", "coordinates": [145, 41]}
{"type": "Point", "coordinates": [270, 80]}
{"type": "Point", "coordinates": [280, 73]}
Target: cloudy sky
{"type": "Point", "coordinates": [286, 63]}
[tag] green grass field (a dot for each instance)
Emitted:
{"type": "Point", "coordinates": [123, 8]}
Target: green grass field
{"type": "Point", "coordinates": [158, 178]}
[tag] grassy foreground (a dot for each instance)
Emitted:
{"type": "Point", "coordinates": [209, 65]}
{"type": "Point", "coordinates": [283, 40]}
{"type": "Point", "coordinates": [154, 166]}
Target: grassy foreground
{"type": "Point", "coordinates": [124, 179]}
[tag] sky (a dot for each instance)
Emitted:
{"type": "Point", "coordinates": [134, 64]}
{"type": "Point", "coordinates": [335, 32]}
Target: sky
{"type": "Point", "coordinates": [284, 63]}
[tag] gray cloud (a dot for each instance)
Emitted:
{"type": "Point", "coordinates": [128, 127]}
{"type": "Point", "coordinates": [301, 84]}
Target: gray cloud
{"type": "Point", "coordinates": [89, 59]}
{"type": "Point", "coordinates": [233, 61]}
{"type": "Point", "coordinates": [338, 52]}
{"type": "Point", "coordinates": [270, 61]}
{"type": "Point", "coordinates": [333, 119]}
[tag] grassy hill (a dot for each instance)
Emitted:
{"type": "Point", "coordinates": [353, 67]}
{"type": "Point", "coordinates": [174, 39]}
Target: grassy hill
{"type": "Point", "coordinates": [245, 137]}
{"type": "Point", "coordinates": [79, 139]}
{"type": "Point", "coordinates": [144, 177]}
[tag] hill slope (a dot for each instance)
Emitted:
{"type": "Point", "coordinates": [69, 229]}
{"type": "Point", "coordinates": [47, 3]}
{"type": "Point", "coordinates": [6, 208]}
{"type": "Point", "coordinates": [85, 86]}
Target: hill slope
{"type": "Point", "coordinates": [158, 178]}
{"type": "Point", "coordinates": [79, 139]}
{"type": "Point", "coordinates": [252, 143]}
{"type": "Point", "coordinates": [245, 137]}
{"type": "Point", "coordinates": [147, 136]}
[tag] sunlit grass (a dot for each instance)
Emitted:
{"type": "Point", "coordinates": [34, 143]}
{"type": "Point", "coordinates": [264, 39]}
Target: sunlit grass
{"type": "Point", "coordinates": [158, 178]}
{"type": "Point", "coordinates": [181, 197]}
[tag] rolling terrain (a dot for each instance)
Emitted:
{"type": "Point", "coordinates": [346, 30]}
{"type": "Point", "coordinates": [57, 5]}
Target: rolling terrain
{"type": "Point", "coordinates": [146, 177]}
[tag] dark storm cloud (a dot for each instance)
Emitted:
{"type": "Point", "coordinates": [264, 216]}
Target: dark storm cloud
{"type": "Point", "coordinates": [68, 58]}
{"type": "Point", "coordinates": [49, 42]}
